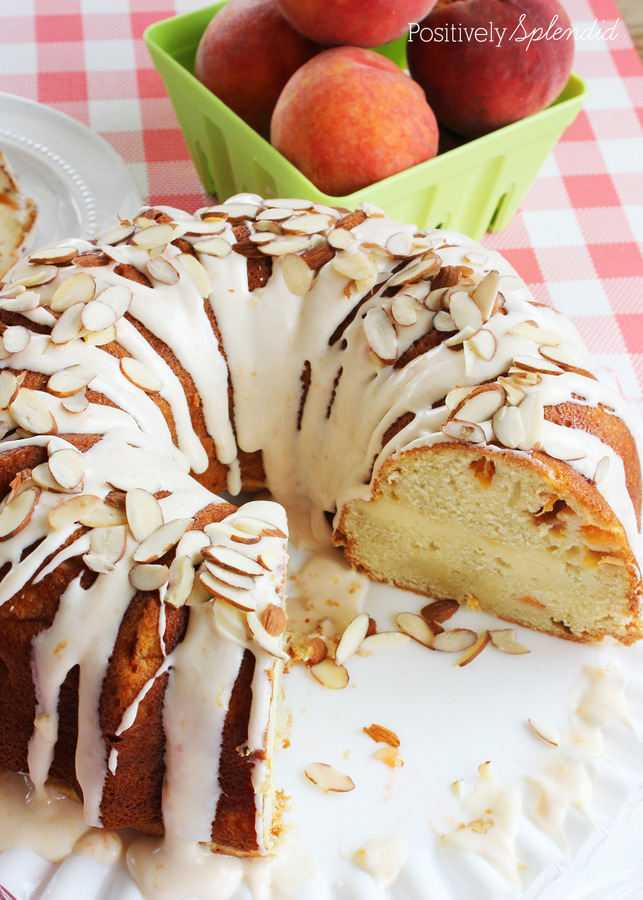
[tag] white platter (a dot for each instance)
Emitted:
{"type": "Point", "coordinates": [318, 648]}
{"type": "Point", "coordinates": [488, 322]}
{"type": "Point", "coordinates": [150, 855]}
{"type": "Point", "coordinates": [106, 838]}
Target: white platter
{"type": "Point", "coordinates": [77, 179]}
{"type": "Point", "coordinates": [449, 721]}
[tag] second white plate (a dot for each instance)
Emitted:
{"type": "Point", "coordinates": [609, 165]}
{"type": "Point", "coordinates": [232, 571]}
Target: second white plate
{"type": "Point", "coordinates": [76, 178]}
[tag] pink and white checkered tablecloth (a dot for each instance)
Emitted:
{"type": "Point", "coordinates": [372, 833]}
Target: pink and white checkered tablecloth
{"type": "Point", "coordinates": [577, 239]}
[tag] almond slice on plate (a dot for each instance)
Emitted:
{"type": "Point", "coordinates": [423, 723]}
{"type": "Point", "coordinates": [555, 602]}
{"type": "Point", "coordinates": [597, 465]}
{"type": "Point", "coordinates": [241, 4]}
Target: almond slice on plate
{"type": "Point", "coordinates": [328, 779]}
{"type": "Point", "coordinates": [352, 638]}
{"type": "Point", "coordinates": [416, 627]}
{"type": "Point", "coordinates": [474, 650]}
{"type": "Point", "coordinates": [329, 674]}
{"type": "Point", "coordinates": [505, 639]}
{"type": "Point", "coordinates": [454, 640]}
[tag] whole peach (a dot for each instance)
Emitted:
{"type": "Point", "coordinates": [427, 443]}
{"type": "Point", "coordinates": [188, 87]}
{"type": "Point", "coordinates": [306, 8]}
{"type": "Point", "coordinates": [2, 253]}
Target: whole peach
{"type": "Point", "coordinates": [349, 117]}
{"type": "Point", "coordinates": [361, 23]}
{"type": "Point", "coordinates": [486, 63]}
{"type": "Point", "coordinates": [246, 55]}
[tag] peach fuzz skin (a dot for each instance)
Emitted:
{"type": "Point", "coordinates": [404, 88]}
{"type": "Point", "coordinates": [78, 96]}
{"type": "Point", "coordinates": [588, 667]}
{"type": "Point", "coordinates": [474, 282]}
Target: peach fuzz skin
{"type": "Point", "coordinates": [359, 23]}
{"type": "Point", "coordinates": [247, 54]}
{"type": "Point", "coordinates": [349, 118]}
{"type": "Point", "coordinates": [476, 86]}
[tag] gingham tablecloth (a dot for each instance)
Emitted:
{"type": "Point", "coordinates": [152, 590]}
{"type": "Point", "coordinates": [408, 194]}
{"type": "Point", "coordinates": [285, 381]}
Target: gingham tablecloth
{"type": "Point", "coordinates": [577, 238]}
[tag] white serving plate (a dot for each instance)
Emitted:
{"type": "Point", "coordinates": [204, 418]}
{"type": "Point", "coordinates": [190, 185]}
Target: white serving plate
{"type": "Point", "coordinates": [76, 178]}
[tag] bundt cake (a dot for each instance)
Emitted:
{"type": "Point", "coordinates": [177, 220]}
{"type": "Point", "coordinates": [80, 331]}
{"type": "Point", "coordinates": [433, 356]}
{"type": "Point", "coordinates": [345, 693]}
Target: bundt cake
{"type": "Point", "coordinates": [17, 217]}
{"type": "Point", "coordinates": [398, 391]}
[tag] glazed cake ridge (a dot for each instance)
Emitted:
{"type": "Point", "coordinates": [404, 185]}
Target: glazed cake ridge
{"type": "Point", "coordinates": [350, 364]}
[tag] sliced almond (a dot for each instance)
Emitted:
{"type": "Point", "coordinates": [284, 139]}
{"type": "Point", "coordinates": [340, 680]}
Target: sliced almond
{"type": "Point", "coordinates": [341, 239]}
{"type": "Point", "coordinates": [274, 214]}
{"type": "Point", "coordinates": [532, 332]}
{"type": "Point", "coordinates": [297, 274]}
{"type": "Point", "coordinates": [424, 267]}
{"type": "Point", "coordinates": [181, 581]}
{"type": "Point", "coordinates": [154, 236]}
{"type": "Point", "coordinates": [96, 316]}
{"type": "Point", "coordinates": [16, 514]}
{"type": "Point", "coordinates": [15, 338]}
{"type": "Point", "coordinates": [416, 627]}
{"type": "Point", "coordinates": [103, 515]}
{"type": "Point", "coordinates": [67, 467]}
{"type": "Point", "coordinates": [384, 639]}
{"type": "Point", "coordinates": [33, 275]}
{"type": "Point", "coordinates": [356, 265]}
{"type": "Point", "coordinates": [475, 649]}
{"type": "Point", "coordinates": [23, 302]}
{"type": "Point", "coordinates": [329, 674]}
{"type": "Point", "coordinates": [31, 412]}
{"type": "Point", "coordinates": [42, 476]}
{"type": "Point", "coordinates": [242, 599]}
{"type": "Point", "coordinates": [308, 223]}
{"type": "Point", "coordinates": [536, 364]}
{"type": "Point", "coordinates": [454, 640]}
{"type": "Point", "coordinates": [281, 246]}
{"type": "Point", "coordinates": [381, 335]}
{"type": "Point", "coordinates": [107, 546]}
{"type": "Point", "coordinates": [234, 561]}
{"type": "Point", "coordinates": [391, 756]}
{"type": "Point", "coordinates": [484, 344]}
{"type": "Point", "coordinates": [257, 527]}
{"type": "Point", "coordinates": [69, 325]}
{"type": "Point", "coordinates": [464, 311]}
{"type": "Point", "coordinates": [532, 414]}
{"type": "Point", "coordinates": [70, 380]}
{"type": "Point", "coordinates": [352, 638]}
{"type": "Point", "coordinates": [545, 732]}
{"type": "Point", "coordinates": [214, 246]}
{"type": "Point", "coordinates": [161, 269]}
{"type": "Point", "coordinates": [508, 427]}
{"type": "Point", "coordinates": [55, 256]}
{"type": "Point", "coordinates": [602, 468]}
{"type": "Point", "coordinates": [196, 273]}
{"type": "Point", "coordinates": [460, 430]}
{"type": "Point", "coordinates": [140, 374]}
{"type": "Point", "coordinates": [146, 577]}
{"type": "Point", "coordinates": [456, 395]}
{"type": "Point", "coordinates": [442, 321]}
{"type": "Point", "coordinates": [505, 639]}
{"type": "Point", "coordinates": [481, 403]}
{"type": "Point", "coordinates": [400, 244]}
{"type": "Point", "coordinates": [404, 309]}
{"type": "Point", "coordinates": [514, 393]}
{"type": "Point", "coordinates": [77, 403]}
{"type": "Point", "coordinates": [524, 379]}
{"type": "Point", "coordinates": [117, 297]}
{"type": "Point", "coordinates": [329, 779]}
{"type": "Point", "coordinates": [117, 234]}
{"type": "Point", "coordinates": [144, 513]}
{"type": "Point", "coordinates": [485, 295]}
{"type": "Point", "coordinates": [9, 387]}
{"type": "Point", "coordinates": [232, 579]}
{"type": "Point", "coordinates": [563, 448]}
{"type": "Point", "coordinates": [161, 540]}
{"type": "Point", "coordinates": [100, 338]}
{"type": "Point", "coordinates": [70, 511]}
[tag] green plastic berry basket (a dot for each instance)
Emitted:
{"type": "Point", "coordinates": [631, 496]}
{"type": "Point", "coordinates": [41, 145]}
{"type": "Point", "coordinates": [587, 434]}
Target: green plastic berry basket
{"type": "Point", "coordinates": [473, 188]}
